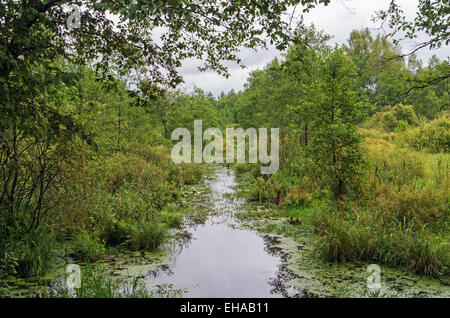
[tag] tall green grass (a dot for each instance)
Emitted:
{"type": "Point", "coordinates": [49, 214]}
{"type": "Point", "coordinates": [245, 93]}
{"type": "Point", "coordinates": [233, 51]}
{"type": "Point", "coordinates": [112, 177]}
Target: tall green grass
{"type": "Point", "coordinates": [370, 238]}
{"type": "Point", "coordinates": [98, 282]}
{"type": "Point", "coordinates": [87, 246]}
{"type": "Point", "coordinates": [26, 253]}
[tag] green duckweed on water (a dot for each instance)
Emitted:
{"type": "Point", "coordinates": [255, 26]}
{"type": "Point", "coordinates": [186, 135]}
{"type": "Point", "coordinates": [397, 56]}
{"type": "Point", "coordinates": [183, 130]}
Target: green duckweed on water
{"type": "Point", "coordinates": [297, 243]}
{"type": "Point", "coordinates": [287, 234]}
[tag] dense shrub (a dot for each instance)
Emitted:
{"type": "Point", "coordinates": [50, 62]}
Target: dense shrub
{"type": "Point", "coordinates": [242, 168]}
{"type": "Point", "coordinates": [370, 237]}
{"type": "Point", "coordinates": [121, 168]}
{"type": "Point", "coordinates": [263, 190]}
{"type": "Point", "coordinates": [35, 253]}
{"type": "Point", "coordinates": [433, 136]}
{"type": "Point", "coordinates": [418, 206]}
{"type": "Point", "coordinates": [391, 118]}
{"type": "Point", "coordinates": [146, 235]}
{"type": "Point", "coordinates": [401, 220]}
{"type": "Point", "coordinates": [405, 113]}
{"type": "Point", "coordinates": [185, 173]}
{"type": "Point", "coordinates": [296, 197]}
{"type": "Point", "coordinates": [122, 200]}
{"type": "Point", "coordinates": [112, 231]}
{"type": "Point", "coordinates": [390, 164]}
{"type": "Point", "coordinates": [87, 246]}
{"type": "Point", "coordinates": [139, 232]}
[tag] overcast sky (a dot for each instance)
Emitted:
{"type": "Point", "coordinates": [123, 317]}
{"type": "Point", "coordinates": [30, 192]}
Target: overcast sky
{"type": "Point", "coordinates": [337, 19]}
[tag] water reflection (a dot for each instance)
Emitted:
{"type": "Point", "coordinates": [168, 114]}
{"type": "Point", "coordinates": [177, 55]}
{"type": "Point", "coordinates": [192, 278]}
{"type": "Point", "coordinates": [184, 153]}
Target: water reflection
{"type": "Point", "coordinates": [218, 259]}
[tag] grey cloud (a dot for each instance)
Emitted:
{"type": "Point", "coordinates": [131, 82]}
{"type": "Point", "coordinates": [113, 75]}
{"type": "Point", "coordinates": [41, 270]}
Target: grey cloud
{"type": "Point", "coordinates": [338, 19]}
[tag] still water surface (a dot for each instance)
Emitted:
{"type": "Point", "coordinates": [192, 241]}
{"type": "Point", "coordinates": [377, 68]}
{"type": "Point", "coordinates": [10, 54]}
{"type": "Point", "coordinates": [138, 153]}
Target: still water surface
{"type": "Point", "coordinates": [222, 259]}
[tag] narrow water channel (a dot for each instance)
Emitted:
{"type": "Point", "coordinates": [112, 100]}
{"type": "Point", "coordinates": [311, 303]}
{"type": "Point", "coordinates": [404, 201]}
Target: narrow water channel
{"type": "Point", "coordinates": [221, 259]}
{"type": "Point", "coordinates": [217, 255]}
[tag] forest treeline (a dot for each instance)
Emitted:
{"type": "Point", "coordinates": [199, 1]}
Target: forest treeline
{"type": "Point", "coordinates": [86, 118]}
{"type": "Point", "coordinates": [358, 145]}
{"type": "Point", "coordinates": [113, 185]}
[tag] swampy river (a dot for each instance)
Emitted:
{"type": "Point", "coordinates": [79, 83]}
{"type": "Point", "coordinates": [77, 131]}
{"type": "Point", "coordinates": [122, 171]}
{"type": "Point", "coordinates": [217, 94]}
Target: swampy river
{"type": "Point", "coordinates": [220, 253]}
{"type": "Point", "coordinates": [220, 258]}
{"type": "Point", "coordinates": [216, 254]}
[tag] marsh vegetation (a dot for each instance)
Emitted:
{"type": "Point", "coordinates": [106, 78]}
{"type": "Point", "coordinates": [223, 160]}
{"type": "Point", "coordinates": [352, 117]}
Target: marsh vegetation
{"type": "Point", "coordinates": [86, 174]}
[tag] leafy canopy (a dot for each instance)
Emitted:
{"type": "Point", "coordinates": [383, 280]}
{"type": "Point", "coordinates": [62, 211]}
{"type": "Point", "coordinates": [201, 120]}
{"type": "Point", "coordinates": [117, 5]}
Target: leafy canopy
{"type": "Point", "coordinates": [124, 34]}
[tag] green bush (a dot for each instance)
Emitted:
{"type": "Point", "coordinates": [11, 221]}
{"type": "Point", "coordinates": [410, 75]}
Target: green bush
{"type": "Point", "coordinates": [388, 121]}
{"type": "Point", "coordinates": [171, 218]}
{"type": "Point", "coordinates": [35, 253]}
{"type": "Point", "coordinates": [405, 113]}
{"type": "Point", "coordinates": [393, 118]}
{"type": "Point", "coordinates": [390, 164]}
{"type": "Point", "coordinates": [433, 136]}
{"type": "Point", "coordinates": [8, 262]}
{"type": "Point", "coordinates": [296, 197]}
{"type": "Point", "coordinates": [113, 232]}
{"type": "Point", "coordinates": [242, 168]}
{"type": "Point", "coordinates": [119, 169]}
{"type": "Point", "coordinates": [185, 173]}
{"type": "Point", "coordinates": [367, 237]}
{"type": "Point", "coordinates": [263, 190]}
{"type": "Point", "coordinates": [87, 246]}
{"type": "Point", "coordinates": [140, 234]}
{"type": "Point", "coordinates": [418, 206]}
{"type": "Point", "coordinates": [146, 236]}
